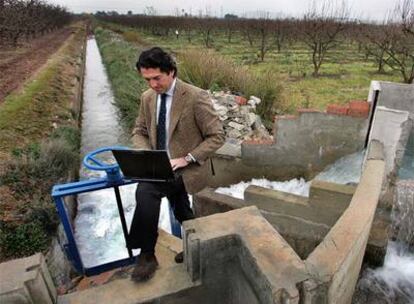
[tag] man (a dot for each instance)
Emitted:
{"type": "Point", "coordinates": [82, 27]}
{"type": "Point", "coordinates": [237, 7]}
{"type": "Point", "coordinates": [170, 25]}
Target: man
{"type": "Point", "coordinates": [177, 117]}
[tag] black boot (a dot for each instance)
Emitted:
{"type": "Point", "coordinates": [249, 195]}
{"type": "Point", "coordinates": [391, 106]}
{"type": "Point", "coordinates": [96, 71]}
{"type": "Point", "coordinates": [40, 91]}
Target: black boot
{"type": "Point", "coordinates": [146, 265]}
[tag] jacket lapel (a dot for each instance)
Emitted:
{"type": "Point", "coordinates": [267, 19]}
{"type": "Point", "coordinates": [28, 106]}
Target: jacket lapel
{"type": "Point", "coordinates": [152, 103]}
{"type": "Point", "coordinates": [177, 106]}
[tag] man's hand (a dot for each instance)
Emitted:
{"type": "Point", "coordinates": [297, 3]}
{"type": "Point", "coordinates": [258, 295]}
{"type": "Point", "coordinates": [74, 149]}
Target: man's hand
{"type": "Point", "coordinates": [178, 163]}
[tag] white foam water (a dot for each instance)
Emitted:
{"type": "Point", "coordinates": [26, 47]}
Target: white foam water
{"type": "Point", "coordinates": [294, 186]}
{"type": "Point", "coordinates": [394, 281]}
{"type": "Point", "coordinates": [344, 171]}
{"type": "Point", "coordinates": [98, 232]}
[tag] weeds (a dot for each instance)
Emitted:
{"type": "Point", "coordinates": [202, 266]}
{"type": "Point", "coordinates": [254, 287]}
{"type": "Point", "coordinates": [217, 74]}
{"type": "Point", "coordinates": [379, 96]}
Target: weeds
{"type": "Point", "coordinates": [22, 240]}
{"type": "Point", "coordinates": [134, 37]}
{"type": "Point", "coordinates": [29, 177]}
{"type": "Point", "coordinates": [218, 72]}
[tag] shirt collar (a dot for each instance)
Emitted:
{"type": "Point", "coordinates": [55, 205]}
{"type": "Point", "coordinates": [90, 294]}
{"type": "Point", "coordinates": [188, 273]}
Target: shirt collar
{"type": "Point", "coordinates": [170, 91]}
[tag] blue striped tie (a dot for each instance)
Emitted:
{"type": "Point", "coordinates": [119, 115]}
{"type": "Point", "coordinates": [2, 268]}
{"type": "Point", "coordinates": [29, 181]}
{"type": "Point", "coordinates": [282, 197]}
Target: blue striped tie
{"type": "Point", "coordinates": [161, 126]}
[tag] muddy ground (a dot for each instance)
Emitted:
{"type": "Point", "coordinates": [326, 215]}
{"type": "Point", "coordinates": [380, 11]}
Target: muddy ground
{"type": "Point", "coordinates": [18, 64]}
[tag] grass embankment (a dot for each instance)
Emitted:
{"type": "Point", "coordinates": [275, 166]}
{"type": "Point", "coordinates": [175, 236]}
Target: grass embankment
{"type": "Point", "coordinates": [119, 57]}
{"type": "Point", "coordinates": [39, 145]}
{"type": "Point", "coordinates": [215, 72]}
{"type": "Point", "coordinates": [346, 74]}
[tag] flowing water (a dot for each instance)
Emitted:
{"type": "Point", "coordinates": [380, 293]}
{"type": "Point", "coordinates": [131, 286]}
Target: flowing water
{"type": "Point", "coordinates": [346, 170]}
{"type": "Point", "coordinates": [407, 166]}
{"type": "Point", "coordinates": [98, 230]}
{"type": "Point", "coordinates": [394, 281]}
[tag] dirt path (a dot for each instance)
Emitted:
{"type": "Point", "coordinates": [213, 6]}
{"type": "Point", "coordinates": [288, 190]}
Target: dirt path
{"type": "Point", "coordinates": [17, 65]}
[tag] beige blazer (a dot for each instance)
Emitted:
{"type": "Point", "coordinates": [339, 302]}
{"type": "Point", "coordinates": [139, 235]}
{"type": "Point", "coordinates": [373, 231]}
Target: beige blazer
{"type": "Point", "coordinates": [194, 128]}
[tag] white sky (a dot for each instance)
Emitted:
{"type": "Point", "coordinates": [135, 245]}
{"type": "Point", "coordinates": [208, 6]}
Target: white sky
{"type": "Point", "coordinates": [364, 9]}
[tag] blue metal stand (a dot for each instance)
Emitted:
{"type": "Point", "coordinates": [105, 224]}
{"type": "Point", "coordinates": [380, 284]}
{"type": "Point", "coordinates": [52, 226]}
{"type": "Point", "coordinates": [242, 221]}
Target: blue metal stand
{"type": "Point", "coordinates": [114, 180]}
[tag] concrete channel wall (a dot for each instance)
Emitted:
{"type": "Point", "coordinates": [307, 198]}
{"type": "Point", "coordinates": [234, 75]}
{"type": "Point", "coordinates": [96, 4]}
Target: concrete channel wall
{"type": "Point", "coordinates": [302, 221]}
{"type": "Point", "coordinates": [398, 96]}
{"type": "Point", "coordinates": [272, 271]}
{"type": "Point", "coordinates": [305, 144]}
{"type": "Point", "coordinates": [391, 127]}
{"type": "Point", "coordinates": [335, 264]}
{"type": "Point", "coordinates": [347, 213]}
{"type": "Point", "coordinates": [393, 121]}
{"type": "Point", "coordinates": [270, 268]}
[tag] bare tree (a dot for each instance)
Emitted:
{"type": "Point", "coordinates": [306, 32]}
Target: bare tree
{"type": "Point", "coordinates": [321, 28]}
{"type": "Point", "coordinates": [263, 27]}
{"type": "Point", "coordinates": [280, 30]}
{"type": "Point", "coordinates": [401, 34]}
{"type": "Point", "coordinates": [406, 10]}
{"type": "Point", "coordinates": [247, 27]}
{"type": "Point", "coordinates": [375, 40]}
{"type": "Point", "coordinates": [188, 27]}
{"type": "Point", "coordinates": [206, 26]}
{"type": "Point", "coordinates": [25, 19]}
{"type": "Point", "coordinates": [150, 11]}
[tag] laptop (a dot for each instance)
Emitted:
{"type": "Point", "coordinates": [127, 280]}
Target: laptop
{"type": "Point", "coordinates": [144, 165]}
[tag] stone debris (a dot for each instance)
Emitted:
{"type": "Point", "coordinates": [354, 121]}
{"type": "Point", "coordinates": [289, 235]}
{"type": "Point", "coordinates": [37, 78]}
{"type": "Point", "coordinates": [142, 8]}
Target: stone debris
{"type": "Point", "coordinates": [239, 118]}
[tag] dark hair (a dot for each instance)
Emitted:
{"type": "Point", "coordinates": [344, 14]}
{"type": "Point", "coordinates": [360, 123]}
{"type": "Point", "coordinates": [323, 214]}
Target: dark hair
{"type": "Point", "coordinates": [157, 58]}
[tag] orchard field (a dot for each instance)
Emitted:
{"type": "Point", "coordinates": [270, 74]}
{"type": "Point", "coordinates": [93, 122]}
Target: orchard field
{"type": "Point", "coordinates": [324, 57]}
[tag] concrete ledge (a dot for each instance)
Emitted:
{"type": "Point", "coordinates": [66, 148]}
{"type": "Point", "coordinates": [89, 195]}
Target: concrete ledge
{"type": "Point", "coordinates": [330, 198]}
{"type": "Point", "coordinates": [26, 280]}
{"type": "Point", "coordinates": [326, 208]}
{"type": "Point", "coordinates": [375, 150]}
{"type": "Point", "coordinates": [208, 202]}
{"type": "Point", "coordinates": [271, 267]}
{"type": "Point", "coordinates": [166, 281]}
{"type": "Point", "coordinates": [302, 234]}
{"type": "Point", "coordinates": [336, 262]}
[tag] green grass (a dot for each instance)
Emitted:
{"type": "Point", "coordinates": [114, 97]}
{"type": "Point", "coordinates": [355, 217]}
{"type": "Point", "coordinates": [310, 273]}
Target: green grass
{"type": "Point", "coordinates": [27, 116]}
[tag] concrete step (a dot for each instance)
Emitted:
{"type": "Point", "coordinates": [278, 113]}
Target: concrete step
{"type": "Point", "coordinates": [116, 287]}
{"type": "Point", "coordinates": [26, 280]}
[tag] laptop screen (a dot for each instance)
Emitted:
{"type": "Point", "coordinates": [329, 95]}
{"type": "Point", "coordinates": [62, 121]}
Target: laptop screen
{"type": "Point", "coordinates": [144, 165]}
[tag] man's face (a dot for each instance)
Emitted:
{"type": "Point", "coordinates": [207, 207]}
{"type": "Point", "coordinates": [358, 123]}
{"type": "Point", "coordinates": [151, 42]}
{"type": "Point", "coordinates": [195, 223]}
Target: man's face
{"type": "Point", "coordinates": [159, 81]}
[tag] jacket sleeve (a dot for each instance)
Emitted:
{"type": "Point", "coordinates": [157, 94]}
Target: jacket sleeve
{"type": "Point", "coordinates": [140, 133]}
{"type": "Point", "coordinates": [210, 126]}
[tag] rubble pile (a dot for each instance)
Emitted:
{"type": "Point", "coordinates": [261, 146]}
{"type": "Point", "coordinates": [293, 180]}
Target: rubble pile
{"type": "Point", "coordinates": [238, 117]}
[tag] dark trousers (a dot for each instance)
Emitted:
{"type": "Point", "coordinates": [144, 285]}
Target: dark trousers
{"type": "Point", "coordinates": [144, 227]}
